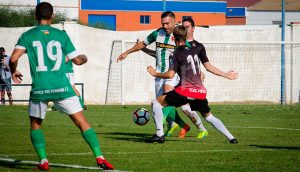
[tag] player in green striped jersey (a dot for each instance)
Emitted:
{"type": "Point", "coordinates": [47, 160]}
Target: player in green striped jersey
{"type": "Point", "coordinates": [47, 49]}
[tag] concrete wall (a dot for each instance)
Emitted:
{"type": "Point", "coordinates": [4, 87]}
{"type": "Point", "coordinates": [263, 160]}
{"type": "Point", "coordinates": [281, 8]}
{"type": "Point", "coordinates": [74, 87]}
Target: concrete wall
{"type": "Point", "coordinates": [267, 18]}
{"type": "Point", "coordinates": [259, 71]}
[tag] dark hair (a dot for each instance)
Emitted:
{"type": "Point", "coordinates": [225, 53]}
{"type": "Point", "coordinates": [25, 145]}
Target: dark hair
{"type": "Point", "coordinates": [43, 10]}
{"type": "Point", "coordinates": [2, 49]}
{"type": "Point", "coordinates": [167, 14]}
{"type": "Point", "coordinates": [180, 33]}
{"type": "Point", "coordinates": [189, 19]}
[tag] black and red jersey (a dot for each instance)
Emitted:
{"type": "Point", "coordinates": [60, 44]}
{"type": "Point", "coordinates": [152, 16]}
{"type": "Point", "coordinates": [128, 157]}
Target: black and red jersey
{"type": "Point", "coordinates": [186, 63]}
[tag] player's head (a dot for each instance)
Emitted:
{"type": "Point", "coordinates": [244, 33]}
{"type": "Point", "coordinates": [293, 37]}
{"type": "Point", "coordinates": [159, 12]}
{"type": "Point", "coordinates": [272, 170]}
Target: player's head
{"type": "Point", "coordinates": [44, 11]}
{"type": "Point", "coordinates": [2, 50]}
{"type": "Point", "coordinates": [180, 34]}
{"type": "Point", "coordinates": [189, 24]}
{"type": "Point", "coordinates": [168, 21]}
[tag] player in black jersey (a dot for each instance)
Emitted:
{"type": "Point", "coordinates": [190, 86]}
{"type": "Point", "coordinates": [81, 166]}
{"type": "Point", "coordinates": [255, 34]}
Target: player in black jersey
{"type": "Point", "coordinates": [186, 62]}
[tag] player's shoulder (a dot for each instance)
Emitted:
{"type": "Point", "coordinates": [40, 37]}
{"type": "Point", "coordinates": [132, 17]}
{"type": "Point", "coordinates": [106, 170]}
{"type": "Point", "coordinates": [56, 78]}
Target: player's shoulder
{"type": "Point", "coordinates": [195, 43]}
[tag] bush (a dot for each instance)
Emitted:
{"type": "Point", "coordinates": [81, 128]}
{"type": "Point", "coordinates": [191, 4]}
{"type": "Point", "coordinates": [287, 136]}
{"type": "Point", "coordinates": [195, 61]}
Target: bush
{"type": "Point", "coordinates": [12, 17]}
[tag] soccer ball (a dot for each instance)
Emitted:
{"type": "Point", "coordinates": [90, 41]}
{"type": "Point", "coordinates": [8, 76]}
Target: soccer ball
{"type": "Point", "coordinates": [141, 116]}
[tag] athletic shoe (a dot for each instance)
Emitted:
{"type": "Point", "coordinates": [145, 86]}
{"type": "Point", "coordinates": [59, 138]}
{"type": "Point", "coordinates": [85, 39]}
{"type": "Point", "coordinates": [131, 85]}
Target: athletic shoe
{"type": "Point", "coordinates": [156, 138]}
{"type": "Point", "coordinates": [104, 164]}
{"type": "Point", "coordinates": [233, 141]}
{"type": "Point", "coordinates": [44, 166]}
{"type": "Point", "coordinates": [183, 131]}
{"type": "Point", "coordinates": [202, 134]}
{"type": "Point", "coordinates": [84, 107]}
{"type": "Point", "coordinates": [170, 130]}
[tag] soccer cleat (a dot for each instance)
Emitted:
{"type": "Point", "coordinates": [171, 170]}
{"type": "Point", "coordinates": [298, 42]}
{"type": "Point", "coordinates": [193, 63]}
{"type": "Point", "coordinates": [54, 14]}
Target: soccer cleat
{"type": "Point", "coordinates": [170, 130]}
{"type": "Point", "coordinates": [104, 164]}
{"type": "Point", "coordinates": [44, 166]}
{"type": "Point", "coordinates": [202, 134]}
{"type": "Point", "coordinates": [183, 131]}
{"type": "Point", "coordinates": [233, 141]}
{"type": "Point", "coordinates": [84, 107]}
{"type": "Point", "coordinates": [156, 138]}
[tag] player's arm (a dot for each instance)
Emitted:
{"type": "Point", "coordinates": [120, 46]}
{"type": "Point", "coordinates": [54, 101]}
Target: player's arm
{"type": "Point", "coordinates": [167, 75]}
{"type": "Point", "coordinates": [13, 63]}
{"type": "Point", "coordinates": [135, 48]}
{"type": "Point", "coordinates": [147, 50]}
{"type": "Point", "coordinates": [80, 59]}
{"type": "Point", "coordinates": [231, 75]}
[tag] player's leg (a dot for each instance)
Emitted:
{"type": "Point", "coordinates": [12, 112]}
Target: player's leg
{"type": "Point", "coordinates": [2, 91]}
{"type": "Point", "coordinates": [203, 108]}
{"type": "Point", "coordinates": [194, 117]}
{"type": "Point", "coordinates": [37, 112]}
{"type": "Point", "coordinates": [8, 91]}
{"type": "Point", "coordinates": [72, 107]}
{"type": "Point", "coordinates": [167, 87]}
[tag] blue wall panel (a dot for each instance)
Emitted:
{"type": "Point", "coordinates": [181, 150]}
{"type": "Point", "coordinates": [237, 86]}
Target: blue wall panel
{"type": "Point", "coordinates": [144, 5]}
{"type": "Point", "coordinates": [108, 20]}
{"type": "Point", "coordinates": [236, 12]}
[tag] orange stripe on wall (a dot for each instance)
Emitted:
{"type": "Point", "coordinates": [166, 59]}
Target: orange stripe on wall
{"type": "Point", "coordinates": [130, 21]}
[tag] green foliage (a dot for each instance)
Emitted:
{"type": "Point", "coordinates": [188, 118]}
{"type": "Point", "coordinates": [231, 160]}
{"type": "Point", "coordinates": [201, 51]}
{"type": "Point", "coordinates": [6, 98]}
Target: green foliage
{"type": "Point", "coordinates": [18, 17]}
{"type": "Point", "coordinates": [268, 138]}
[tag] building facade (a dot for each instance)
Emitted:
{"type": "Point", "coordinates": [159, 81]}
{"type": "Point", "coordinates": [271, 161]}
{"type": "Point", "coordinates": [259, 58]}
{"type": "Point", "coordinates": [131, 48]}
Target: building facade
{"type": "Point", "coordinates": [132, 15]}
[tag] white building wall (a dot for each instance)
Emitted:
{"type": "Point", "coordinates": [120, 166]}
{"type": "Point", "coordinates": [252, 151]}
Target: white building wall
{"type": "Point", "coordinates": [267, 18]}
{"type": "Point", "coordinates": [259, 72]}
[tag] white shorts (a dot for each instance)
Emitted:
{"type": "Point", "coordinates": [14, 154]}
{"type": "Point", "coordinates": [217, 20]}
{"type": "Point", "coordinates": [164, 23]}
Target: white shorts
{"type": "Point", "coordinates": [159, 84]}
{"type": "Point", "coordinates": [69, 106]}
{"type": "Point", "coordinates": [70, 76]}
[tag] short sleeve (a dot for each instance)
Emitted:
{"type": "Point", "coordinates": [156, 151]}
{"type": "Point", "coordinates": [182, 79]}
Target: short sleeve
{"type": "Point", "coordinates": [151, 38]}
{"type": "Point", "coordinates": [21, 44]}
{"type": "Point", "coordinates": [69, 48]}
{"type": "Point", "coordinates": [202, 55]}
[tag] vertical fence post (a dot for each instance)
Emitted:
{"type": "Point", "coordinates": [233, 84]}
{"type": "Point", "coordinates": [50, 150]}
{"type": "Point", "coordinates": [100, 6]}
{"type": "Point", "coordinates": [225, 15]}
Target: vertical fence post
{"type": "Point", "coordinates": [282, 81]}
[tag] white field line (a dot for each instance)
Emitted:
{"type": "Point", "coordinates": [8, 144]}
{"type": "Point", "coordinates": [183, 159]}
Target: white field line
{"type": "Point", "coordinates": [21, 162]}
{"type": "Point", "coordinates": [269, 128]}
{"type": "Point", "coordinates": [132, 153]}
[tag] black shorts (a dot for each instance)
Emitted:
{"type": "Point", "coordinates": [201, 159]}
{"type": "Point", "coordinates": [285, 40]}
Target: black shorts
{"type": "Point", "coordinates": [177, 100]}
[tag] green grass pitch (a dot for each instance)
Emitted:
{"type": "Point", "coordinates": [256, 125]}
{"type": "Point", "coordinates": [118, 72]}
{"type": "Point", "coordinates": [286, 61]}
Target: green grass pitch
{"type": "Point", "coordinates": [268, 135]}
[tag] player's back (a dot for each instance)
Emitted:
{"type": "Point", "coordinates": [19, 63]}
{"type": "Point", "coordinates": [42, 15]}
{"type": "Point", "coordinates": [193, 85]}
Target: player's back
{"type": "Point", "coordinates": [46, 48]}
{"type": "Point", "coordinates": [188, 65]}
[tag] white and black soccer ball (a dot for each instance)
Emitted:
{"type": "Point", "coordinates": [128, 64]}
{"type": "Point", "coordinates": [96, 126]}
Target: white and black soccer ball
{"type": "Point", "coordinates": [141, 116]}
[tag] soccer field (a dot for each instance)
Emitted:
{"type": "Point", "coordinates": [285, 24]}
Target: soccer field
{"type": "Point", "coordinates": [268, 135]}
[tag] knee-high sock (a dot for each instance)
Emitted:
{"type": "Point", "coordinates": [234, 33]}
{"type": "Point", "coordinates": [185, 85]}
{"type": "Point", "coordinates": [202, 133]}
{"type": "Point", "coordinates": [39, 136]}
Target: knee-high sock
{"type": "Point", "coordinates": [38, 142]}
{"type": "Point", "coordinates": [171, 114]}
{"type": "Point", "coordinates": [90, 137]}
{"type": "Point", "coordinates": [193, 115]}
{"type": "Point", "coordinates": [219, 126]}
{"type": "Point", "coordinates": [158, 117]}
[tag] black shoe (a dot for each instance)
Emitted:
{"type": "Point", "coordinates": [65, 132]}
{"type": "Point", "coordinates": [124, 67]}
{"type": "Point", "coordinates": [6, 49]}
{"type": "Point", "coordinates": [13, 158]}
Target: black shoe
{"type": "Point", "coordinates": [84, 107]}
{"type": "Point", "coordinates": [233, 141]}
{"type": "Point", "coordinates": [53, 108]}
{"type": "Point", "coordinates": [156, 138]}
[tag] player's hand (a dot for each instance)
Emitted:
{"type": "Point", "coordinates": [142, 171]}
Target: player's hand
{"type": "Point", "coordinates": [232, 75]}
{"type": "Point", "coordinates": [138, 40]}
{"type": "Point", "coordinates": [151, 70]}
{"type": "Point", "coordinates": [122, 57]}
{"type": "Point", "coordinates": [17, 77]}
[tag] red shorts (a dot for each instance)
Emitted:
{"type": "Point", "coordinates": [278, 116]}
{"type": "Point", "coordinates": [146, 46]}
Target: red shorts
{"type": "Point", "coordinates": [192, 92]}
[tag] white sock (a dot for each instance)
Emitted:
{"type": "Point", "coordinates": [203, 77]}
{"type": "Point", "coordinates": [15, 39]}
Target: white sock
{"type": "Point", "coordinates": [158, 117]}
{"type": "Point", "coordinates": [219, 126]}
{"type": "Point", "coordinates": [44, 160]}
{"type": "Point", "coordinates": [193, 115]}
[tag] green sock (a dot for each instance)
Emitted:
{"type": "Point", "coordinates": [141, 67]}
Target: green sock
{"type": "Point", "coordinates": [91, 138]}
{"type": "Point", "coordinates": [38, 141]}
{"type": "Point", "coordinates": [171, 113]}
{"type": "Point", "coordinates": [81, 101]}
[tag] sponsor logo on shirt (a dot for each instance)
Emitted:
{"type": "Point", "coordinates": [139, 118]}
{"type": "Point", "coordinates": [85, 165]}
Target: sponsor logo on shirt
{"type": "Point", "coordinates": [162, 45]}
{"type": "Point", "coordinates": [46, 32]}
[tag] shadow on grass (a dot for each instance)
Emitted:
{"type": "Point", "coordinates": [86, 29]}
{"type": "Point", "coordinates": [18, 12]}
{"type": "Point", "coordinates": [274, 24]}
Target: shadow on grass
{"type": "Point", "coordinates": [139, 137]}
{"type": "Point", "coordinates": [14, 165]}
{"type": "Point", "coordinates": [276, 147]}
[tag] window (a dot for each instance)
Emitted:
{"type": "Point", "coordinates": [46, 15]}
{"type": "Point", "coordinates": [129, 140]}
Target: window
{"type": "Point", "coordinates": [184, 17]}
{"type": "Point", "coordinates": [144, 19]}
